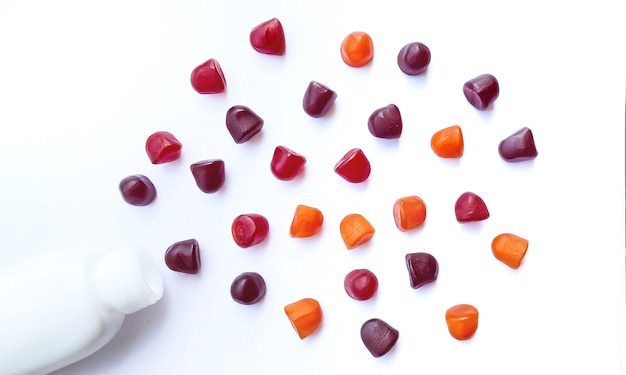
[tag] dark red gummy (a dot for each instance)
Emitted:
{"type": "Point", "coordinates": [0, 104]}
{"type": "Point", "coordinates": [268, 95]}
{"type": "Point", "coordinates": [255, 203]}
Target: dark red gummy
{"type": "Point", "coordinates": [268, 38]}
{"type": "Point", "coordinates": [242, 123]}
{"type": "Point", "coordinates": [249, 230]}
{"type": "Point", "coordinates": [248, 288]}
{"type": "Point", "coordinates": [318, 99]}
{"type": "Point", "coordinates": [209, 175]}
{"type": "Point", "coordinates": [137, 190]}
{"type": "Point", "coordinates": [481, 91]}
{"type": "Point", "coordinates": [208, 78]}
{"type": "Point", "coordinates": [414, 58]}
{"type": "Point", "coordinates": [183, 256]}
{"type": "Point", "coordinates": [286, 164]}
{"type": "Point", "coordinates": [470, 207]}
{"type": "Point", "coordinates": [354, 166]}
{"type": "Point", "coordinates": [378, 336]}
{"type": "Point", "coordinates": [385, 122]}
{"type": "Point", "coordinates": [423, 269]}
{"type": "Point", "coordinates": [361, 284]}
{"type": "Point", "coordinates": [163, 147]}
{"type": "Point", "coordinates": [519, 146]}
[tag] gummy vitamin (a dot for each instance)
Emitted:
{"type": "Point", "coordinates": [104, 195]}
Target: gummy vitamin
{"type": "Point", "coordinates": [519, 146]}
{"type": "Point", "coordinates": [470, 207]}
{"type": "Point", "coordinates": [448, 142]}
{"type": "Point", "coordinates": [242, 123]}
{"type": "Point", "coordinates": [209, 175]}
{"type": "Point", "coordinates": [354, 166]}
{"type": "Point", "coordinates": [307, 222]}
{"type": "Point", "coordinates": [361, 284]}
{"type": "Point", "coordinates": [249, 230]}
{"type": "Point", "coordinates": [481, 91]}
{"type": "Point", "coordinates": [355, 230]}
{"type": "Point", "coordinates": [423, 269]}
{"type": "Point", "coordinates": [409, 213]}
{"type": "Point", "coordinates": [378, 336]}
{"type": "Point", "coordinates": [414, 58]}
{"type": "Point", "coordinates": [208, 78]}
{"type": "Point", "coordinates": [385, 122]}
{"type": "Point", "coordinates": [183, 256]}
{"type": "Point", "coordinates": [462, 321]}
{"type": "Point", "coordinates": [305, 316]}
{"type": "Point", "coordinates": [357, 49]}
{"type": "Point", "coordinates": [318, 99]}
{"type": "Point", "coordinates": [286, 164]}
{"type": "Point", "coordinates": [248, 288]}
{"type": "Point", "coordinates": [137, 190]}
{"type": "Point", "coordinates": [163, 147]}
{"type": "Point", "coordinates": [509, 249]}
{"type": "Point", "coordinates": [268, 38]}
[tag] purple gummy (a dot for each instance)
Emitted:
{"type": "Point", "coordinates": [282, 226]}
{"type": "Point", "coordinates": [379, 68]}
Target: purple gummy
{"type": "Point", "coordinates": [423, 269]}
{"type": "Point", "coordinates": [519, 146]}
{"type": "Point", "coordinates": [385, 122]}
{"type": "Point", "coordinates": [318, 99]}
{"type": "Point", "coordinates": [243, 123]}
{"type": "Point", "coordinates": [481, 91]}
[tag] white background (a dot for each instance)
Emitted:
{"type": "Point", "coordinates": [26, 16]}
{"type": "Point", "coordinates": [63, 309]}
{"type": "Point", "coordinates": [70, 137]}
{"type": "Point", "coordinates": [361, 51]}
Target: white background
{"type": "Point", "coordinates": [82, 85]}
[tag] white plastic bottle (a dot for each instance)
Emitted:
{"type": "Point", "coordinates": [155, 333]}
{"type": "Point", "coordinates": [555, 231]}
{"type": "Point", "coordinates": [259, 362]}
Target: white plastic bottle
{"type": "Point", "coordinates": [56, 311]}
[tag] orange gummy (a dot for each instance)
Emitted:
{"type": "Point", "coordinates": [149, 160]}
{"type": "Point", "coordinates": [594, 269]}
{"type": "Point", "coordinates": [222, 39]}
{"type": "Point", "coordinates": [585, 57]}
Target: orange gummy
{"type": "Point", "coordinates": [448, 142]}
{"type": "Point", "coordinates": [462, 321]}
{"type": "Point", "coordinates": [509, 249]}
{"type": "Point", "coordinates": [357, 49]}
{"type": "Point", "coordinates": [409, 213]}
{"type": "Point", "coordinates": [355, 230]}
{"type": "Point", "coordinates": [307, 221]}
{"type": "Point", "coordinates": [305, 316]}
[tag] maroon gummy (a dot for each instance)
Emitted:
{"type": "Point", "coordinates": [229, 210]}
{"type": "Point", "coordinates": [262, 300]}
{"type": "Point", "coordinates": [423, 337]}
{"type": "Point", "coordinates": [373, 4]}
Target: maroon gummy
{"type": "Point", "coordinates": [208, 78]}
{"type": "Point", "coordinates": [183, 256]}
{"type": "Point", "coordinates": [268, 38]}
{"type": "Point", "coordinates": [209, 175]}
{"type": "Point", "coordinates": [378, 336]}
{"type": "Point", "coordinates": [137, 190]}
{"type": "Point", "coordinates": [414, 58]}
{"type": "Point", "coordinates": [163, 147]}
{"type": "Point", "coordinates": [361, 284]}
{"type": "Point", "coordinates": [318, 99]}
{"type": "Point", "coordinates": [423, 269]}
{"type": "Point", "coordinates": [242, 123]}
{"type": "Point", "coordinates": [385, 122]}
{"type": "Point", "coordinates": [470, 207]}
{"type": "Point", "coordinates": [519, 146]}
{"type": "Point", "coordinates": [481, 91]}
{"type": "Point", "coordinates": [248, 288]}
{"type": "Point", "coordinates": [354, 166]}
{"type": "Point", "coordinates": [249, 230]}
{"type": "Point", "coordinates": [286, 164]}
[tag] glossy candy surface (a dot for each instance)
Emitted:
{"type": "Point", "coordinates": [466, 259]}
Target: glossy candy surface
{"type": "Point", "coordinates": [354, 166]}
{"type": "Point", "coordinates": [183, 256]}
{"type": "Point", "coordinates": [509, 249]}
{"type": "Point", "coordinates": [248, 288]}
{"type": "Point", "coordinates": [448, 142]}
{"type": "Point", "coordinates": [414, 58]}
{"type": "Point", "coordinates": [307, 221]}
{"type": "Point", "coordinates": [482, 91]}
{"type": "Point", "coordinates": [137, 190]}
{"type": "Point", "coordinates": [519, 146]}
{"type": "Point", "coordinates": [361, 284]}
{"type": "Point", "coordinates": [318, 99]}
{"type": "Point", "coordinates": [249, 230]}
{"type": "Point", "coordinates": [286, 164]}
{"type": "Point", "coordinates": [305, 316]}
{"type": "Point", "coordinates": [470, 207]}
{"type": "Point", "coordinates": [163, 147]}
{"type": "Point", "coordinates": [423, 269]}
{"type": "Point", "coordinates": [355, 230]}
{"type": "Point", "coordinates": [378, 336]}
{"type": "Point", "coordinates": [208, 78]}
{"type": "Point", "coordinates": [242, 123]}
{"type": "Point", "coordinates": [409, 213]}
{"type": "Point", "coordinates": [462, 321]}
{"type": "Point", "coordinates": [357, 49]}
{"type": "Point", "coordinates": [385, 122]}
{"type": "Point", "coordinates": [268, 38]}
{"type": "Point", "coordinates": [209, 175]}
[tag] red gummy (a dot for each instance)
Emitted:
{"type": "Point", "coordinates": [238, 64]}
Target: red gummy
{"type": "Point", "coordinates": [137, 190]}
{"type": "Point", "coordinates": [470, 207]}
{"type": "Point", "coordinates": [286, 164]}
{"type": "Point", "coordinates": [249, 230]}
{"type": "Point", "coordinates": [268, 38]}
{"type": "Point", "coordinates": [183, 256]}
{"type": "Point", "coordinates": [481, 91]}
{"type": "Point", "coordinates": [209, 175]}
{"type": "Point", "coordinates": [208, 78]}
{"type": "Point", "coordinates": [361, 284]}
{"type": "Point", "coordinates": [353, 166]}
{"type": "Point", "coordinates": [163, 147]}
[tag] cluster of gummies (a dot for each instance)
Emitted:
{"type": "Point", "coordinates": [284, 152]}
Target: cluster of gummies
{"type": "Point", "coordinates": [409, 212]}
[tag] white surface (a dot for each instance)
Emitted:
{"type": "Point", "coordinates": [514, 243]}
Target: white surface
{"type": "Point", "coordinates": [82, 85]}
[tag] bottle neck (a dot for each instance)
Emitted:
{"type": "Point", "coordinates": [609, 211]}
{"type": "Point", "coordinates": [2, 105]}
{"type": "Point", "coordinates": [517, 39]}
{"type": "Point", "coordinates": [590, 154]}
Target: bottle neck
{"type": "Point", "coordinates": [127, 281]}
